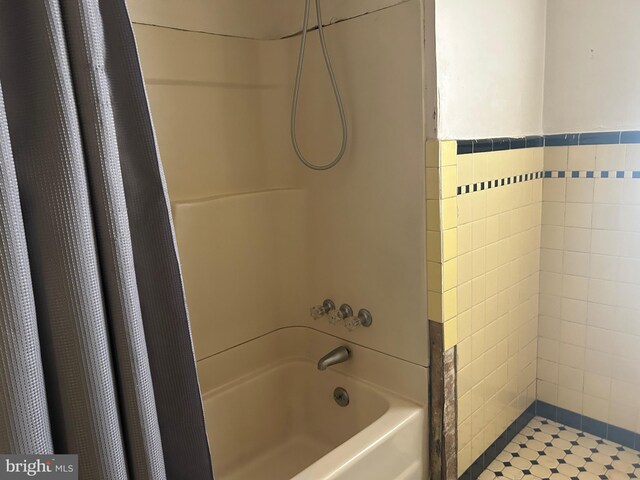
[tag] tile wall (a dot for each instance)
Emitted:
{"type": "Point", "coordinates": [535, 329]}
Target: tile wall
{"type": "Point", "coordinates": [589, 329]}
{"type": "Point", "coordinates": [499, 205]}
{"type": "Point", "coordinates": [442, 286]}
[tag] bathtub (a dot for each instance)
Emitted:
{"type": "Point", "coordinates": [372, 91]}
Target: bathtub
{"type": "Point", "coordinates": [279, 420]}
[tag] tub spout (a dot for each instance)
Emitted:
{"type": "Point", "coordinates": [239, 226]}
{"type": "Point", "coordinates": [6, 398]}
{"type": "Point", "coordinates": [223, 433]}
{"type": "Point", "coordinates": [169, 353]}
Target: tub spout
{"type": "Point", "coordinates": [337, 355]}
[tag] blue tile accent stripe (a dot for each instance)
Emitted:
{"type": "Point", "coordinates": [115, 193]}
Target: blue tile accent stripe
{"type": "Point", "coordinates": [607, 431]}
{"type": "Point", "coordinates": [490, 454]}
{"type": "Point", "coordinates": [498, 182]}
{"type": "Point", "coordinates": [557, 414]}
{"type": "Point", "coordinates": [618, 174]}
{"type": "Point", "coordinates": [556, 140]}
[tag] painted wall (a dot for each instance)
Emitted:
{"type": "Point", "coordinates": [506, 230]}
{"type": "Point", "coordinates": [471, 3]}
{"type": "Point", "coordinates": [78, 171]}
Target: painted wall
{"type": "Point", "coordinates": [508, 69]}
{"type": "Point", "coordinates": [261, 238]}
{"type": "Point", "coordinates": [257, 19]}
{"type": "Point", "coordinates": [592, 69]}
{"type": "Point", "coordinates": [589, 345]}
{"type": "Point", "coordinates": [490, 63]}
{"type": "Point", "coordinates": [498, 286]}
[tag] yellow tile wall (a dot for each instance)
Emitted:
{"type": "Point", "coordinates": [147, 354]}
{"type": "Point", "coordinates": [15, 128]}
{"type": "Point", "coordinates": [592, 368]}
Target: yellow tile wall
{"type": "Point", "coordinates": [498, 252]}
{"type": "Point", "coordinates": [442, 219]}
{"type": "Point", "coordinates": [589, 330]}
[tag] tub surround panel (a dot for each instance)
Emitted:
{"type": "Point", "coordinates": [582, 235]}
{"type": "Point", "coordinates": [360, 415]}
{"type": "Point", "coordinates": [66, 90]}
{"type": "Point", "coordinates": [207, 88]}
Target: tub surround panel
{"type": "Point", "coordinates": [367, 215]}
{"type": "Point", "coordinates": [242, 278]}
{"type": "Point", "coordinates": [215, 101]}
{"type": "Point", "coordinates": [221, 108]}
{"type": "Point", "coordinates": [304, 343]}
{"type": "Point", "coordinates": [589, 332]}
{"type": "Point", "coordinates": [254, 19]}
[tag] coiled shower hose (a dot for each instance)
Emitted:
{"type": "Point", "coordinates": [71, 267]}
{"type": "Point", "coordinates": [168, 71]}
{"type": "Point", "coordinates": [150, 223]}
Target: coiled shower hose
{"type": "Point", "coordinates": [334, 85]}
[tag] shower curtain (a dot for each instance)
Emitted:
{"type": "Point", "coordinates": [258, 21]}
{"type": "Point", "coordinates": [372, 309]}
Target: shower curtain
{"type": "Point", "coordinates": [96, 356]}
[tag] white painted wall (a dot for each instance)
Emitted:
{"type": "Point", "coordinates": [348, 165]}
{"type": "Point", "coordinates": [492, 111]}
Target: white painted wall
{"type": "Point", "coordinates": [490, 62]}
{"type": "Point", "coordinates": [259, 19]}
{"type": "Point", "coordinates": [508, 68]}
{"type": "Point", "coordinates": [592, 80]}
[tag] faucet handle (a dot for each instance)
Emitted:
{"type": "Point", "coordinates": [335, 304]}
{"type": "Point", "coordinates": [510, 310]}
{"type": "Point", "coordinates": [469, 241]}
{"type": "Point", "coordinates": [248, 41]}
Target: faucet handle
{"type": "Point", "coordinates": [335, 317]}
{"type": "Point", "coordinates": [319, 311]}
{"type": "Point", "coordinates": [352, 323]}
{"type": "Point", "coordinates": [344, 312]}
{"type": "Point", "coordinates": [364, 319]}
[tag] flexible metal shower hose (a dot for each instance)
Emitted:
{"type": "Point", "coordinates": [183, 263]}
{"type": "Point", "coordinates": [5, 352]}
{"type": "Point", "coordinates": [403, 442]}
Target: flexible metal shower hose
{"type": "Point", "coordinates": [334, 85]}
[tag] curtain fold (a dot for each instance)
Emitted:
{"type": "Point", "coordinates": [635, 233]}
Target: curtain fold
{"type": "Point", "coordinates": [96, 351]}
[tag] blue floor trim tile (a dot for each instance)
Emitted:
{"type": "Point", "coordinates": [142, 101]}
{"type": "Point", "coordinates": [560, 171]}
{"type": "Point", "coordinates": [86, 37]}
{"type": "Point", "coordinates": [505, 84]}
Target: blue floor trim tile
{"type": "Point", "coordinates": [561, 415]}
{"type": "Point", "coordinates": [607, 431]}
{"type": "Point", "coordinates": [546, 410]}
{"type": "Point", "coordinates": [621, 436]}
{"type": "Point", "coordinates": [594, 427]}
{"type": "Point", "coordinates": [569, 418]}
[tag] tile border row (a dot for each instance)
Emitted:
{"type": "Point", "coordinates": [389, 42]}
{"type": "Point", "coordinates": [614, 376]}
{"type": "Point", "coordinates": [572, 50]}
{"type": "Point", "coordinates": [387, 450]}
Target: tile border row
{"type": "Point", "coordinates": [499, 182]}
{"type": "Point", "coordinates": [558, 174]}
{"type": "Point", "coordinates": [626, 438]}
{"type": "Point", "coordinates": [614, 174]}
{"type": "Point", "coordinates": [556, 140]}
{"type": "Point", "coordinates": [561, 415]}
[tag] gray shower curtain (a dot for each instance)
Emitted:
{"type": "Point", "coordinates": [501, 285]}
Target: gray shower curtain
{"type": "Point", "coordinates": [96, 356]}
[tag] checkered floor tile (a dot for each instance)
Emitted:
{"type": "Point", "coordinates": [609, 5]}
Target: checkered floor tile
{"type": "Point", "coordinates": [546, 449]}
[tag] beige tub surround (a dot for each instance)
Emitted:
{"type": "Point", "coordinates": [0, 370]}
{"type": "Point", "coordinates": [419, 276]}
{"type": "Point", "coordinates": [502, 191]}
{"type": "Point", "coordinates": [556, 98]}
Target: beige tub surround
{"type": "Point", "coordinates": [271, 413]}
{"type": "Point", "coordinates": [262, 239]}
{"type": "Point", "coordinates": [252, 223]}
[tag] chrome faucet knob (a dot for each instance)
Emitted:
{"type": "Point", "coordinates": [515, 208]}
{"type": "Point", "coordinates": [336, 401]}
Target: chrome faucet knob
{"type": "Point", "coordinates": [364, 317]}
{"type": "Point", "coordinates": [319, 311]}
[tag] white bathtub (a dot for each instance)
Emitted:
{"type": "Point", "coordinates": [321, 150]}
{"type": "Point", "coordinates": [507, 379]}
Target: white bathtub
{"type": "Point", "coordinates": [280, 421]}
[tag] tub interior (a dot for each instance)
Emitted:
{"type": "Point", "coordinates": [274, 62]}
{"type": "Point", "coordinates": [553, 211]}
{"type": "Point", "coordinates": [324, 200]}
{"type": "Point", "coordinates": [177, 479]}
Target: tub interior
{"type": "Point", "coordinates": [273, 423]}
